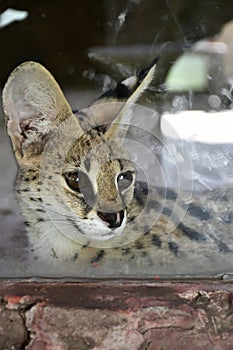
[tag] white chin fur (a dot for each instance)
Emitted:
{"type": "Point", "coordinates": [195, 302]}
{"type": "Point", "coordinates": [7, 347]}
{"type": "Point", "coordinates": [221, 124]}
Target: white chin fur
{"type": "Point", "coordinates": [92, 229]}
{"type": "Point", "coordinates": [102, 232]}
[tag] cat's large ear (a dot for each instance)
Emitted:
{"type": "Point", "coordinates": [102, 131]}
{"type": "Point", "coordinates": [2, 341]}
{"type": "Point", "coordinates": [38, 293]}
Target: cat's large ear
{"type": "Point", "coordinates": [109, 109]}
{"type": "Point", "coordinates": [33, 104]}
{"type": "Point", "coordinates": [145, 77]}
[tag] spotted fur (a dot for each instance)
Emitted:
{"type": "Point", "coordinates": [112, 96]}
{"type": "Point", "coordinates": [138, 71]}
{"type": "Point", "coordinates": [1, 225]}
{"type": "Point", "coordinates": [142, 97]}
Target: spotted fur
{"type": "Point", "coordinates": [113, 225]}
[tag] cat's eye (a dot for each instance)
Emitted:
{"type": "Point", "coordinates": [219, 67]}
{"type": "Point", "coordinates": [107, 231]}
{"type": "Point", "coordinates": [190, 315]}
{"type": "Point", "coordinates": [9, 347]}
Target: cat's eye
{"type": "Point", "coordinates": [77, 181]}
{"type": "Point", "coordinates": [124, 180]}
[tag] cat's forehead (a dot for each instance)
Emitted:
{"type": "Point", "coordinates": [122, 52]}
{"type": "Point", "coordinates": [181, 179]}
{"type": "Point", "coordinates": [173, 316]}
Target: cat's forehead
{"type": "Point", "coordinates": [91, 150]}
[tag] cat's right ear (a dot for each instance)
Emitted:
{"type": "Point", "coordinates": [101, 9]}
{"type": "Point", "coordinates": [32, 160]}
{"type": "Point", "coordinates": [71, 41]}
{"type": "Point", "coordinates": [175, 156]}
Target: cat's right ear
{"type": "Point", "coordinates": [108, 111]}
{"type": "Point", "coordinates": [33, 104]}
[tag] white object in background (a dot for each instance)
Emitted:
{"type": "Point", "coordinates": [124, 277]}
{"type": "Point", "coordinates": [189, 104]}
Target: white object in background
{"type": "Point", "coordinates": [199, 126]}
{"type": "Point", "coordinates": [206, 141]}
{"type": "Point", "coordinates": [189, 72]}
{"type": "Point", "coordinates": [10, 15]}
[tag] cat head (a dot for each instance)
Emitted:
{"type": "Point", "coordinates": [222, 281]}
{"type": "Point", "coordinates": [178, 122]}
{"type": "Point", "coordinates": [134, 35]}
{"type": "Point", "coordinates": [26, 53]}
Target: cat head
{"type": "Point", "coordinates": [83, 174]}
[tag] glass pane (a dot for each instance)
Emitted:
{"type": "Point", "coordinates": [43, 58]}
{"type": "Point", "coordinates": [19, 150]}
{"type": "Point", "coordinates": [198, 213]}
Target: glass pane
{"type": "Point", "coordinates": [139, 182]}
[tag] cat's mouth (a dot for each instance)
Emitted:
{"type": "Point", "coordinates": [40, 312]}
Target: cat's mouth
{"type": "Point", "coordinates": [110, 225]}
{"type": "Point", "coordinates": [113, 220]}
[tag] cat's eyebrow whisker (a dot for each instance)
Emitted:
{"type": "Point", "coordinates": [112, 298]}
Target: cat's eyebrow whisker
{"type": "Point", "coordinates": [55, 220]}
{"type": "Point", "coordinates": [65, 216]}
{"type": "Point", "coordinates": [56, 213]}
{"type": "Point", "coordinates": [47, 220]}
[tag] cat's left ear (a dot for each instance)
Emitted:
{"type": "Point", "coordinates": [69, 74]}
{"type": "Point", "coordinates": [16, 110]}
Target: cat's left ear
{"type": "Point", "coordinates": [33, 104]}
{"type": "Point", "coordinates": [108, 110]}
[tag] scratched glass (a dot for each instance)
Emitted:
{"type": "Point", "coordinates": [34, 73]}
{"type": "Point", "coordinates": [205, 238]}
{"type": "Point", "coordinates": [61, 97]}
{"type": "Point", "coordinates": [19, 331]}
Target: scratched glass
{"type": "Point", "coordinates": [176, 142]}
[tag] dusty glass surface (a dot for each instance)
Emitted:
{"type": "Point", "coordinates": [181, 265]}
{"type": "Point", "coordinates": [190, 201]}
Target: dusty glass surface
{"type": "Point", "coordinates": [177, 135]}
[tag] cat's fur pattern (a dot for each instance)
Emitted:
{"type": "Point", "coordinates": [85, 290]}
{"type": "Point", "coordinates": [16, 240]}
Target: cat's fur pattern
{"type": "Point", "coordinates": [63, 225]}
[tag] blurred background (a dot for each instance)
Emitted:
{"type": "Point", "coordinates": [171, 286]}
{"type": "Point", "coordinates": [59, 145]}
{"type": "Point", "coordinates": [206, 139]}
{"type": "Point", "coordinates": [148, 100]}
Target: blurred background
{"type": "Point", "coordinates": [90, 45]}
{"type": "Point", "coordinates": [82, 42]}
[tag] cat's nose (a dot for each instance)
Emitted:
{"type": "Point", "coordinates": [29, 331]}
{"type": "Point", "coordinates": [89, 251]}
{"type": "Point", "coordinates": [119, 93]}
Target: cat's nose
{"type": "Point", "coordinates": [113, 220]}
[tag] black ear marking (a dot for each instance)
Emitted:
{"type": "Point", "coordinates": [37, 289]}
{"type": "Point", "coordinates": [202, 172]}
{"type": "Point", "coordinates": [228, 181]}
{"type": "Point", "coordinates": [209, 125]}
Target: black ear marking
{"type": "Point", "coordinates": [120, 92]}
{"type": "Point", "coordinates": [143, 72]}
{"type": "Point", "coordinates": [126, 88]}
